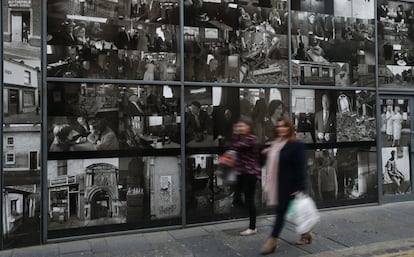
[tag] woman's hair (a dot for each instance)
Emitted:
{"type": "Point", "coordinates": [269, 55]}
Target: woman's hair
{"type": "Point", "coordinates": [248, 122]}
{"type": "Point", "coordinates": [273, 105]}
{"type": "Point", "coordinates": [291, 136]}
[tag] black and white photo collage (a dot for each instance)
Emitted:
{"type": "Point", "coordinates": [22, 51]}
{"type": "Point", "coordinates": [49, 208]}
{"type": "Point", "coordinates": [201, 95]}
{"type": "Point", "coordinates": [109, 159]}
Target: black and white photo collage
{"type": "Point", "coordinates": [395, 43]}
{"type": "Point", "coordinates": [136, 40]}
{"type": "Point", "coordinates": [396, 140]}
{"type": "Point", "coordinates": [21, 191]}
{"type": "Point", "coordinates": [236, 41]}
{"type": "Point", "coordinates": [333, 43]}
{"type": "Point", "coordinates": [342, 174]}
{"type": "Point", "coordinates": [107, 191]}
{"type": "Point", "coordinates": [108, 117]}
{"type": "Point", "coordinates": [322, 116]}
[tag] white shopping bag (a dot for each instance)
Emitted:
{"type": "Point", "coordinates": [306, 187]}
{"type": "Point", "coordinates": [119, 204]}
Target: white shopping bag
{"type": "Point", "coordinates": [304, 214]}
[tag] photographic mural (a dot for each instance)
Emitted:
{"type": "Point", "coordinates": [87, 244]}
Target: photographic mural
{"type": "Point", "coordinates": [21, 210]}
{"type": "Point", "coordinates": [113, 39]}
{"type": "Point", "coordinates": [333, 43]}
{"type": "Point", "coordinates": [119, 94]}
{"type": "Point", "coordinates": [105, 191]}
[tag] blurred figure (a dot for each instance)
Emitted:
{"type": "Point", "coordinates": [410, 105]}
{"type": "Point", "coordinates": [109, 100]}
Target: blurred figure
{"type": "Point", "coordinates": [286, 177]}
{"type": "Point", "coordinates": [244, 142]}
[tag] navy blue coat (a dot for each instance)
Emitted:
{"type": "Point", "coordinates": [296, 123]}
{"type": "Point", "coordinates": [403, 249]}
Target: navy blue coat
{"type": "Point", "coordinates": [292, 169]}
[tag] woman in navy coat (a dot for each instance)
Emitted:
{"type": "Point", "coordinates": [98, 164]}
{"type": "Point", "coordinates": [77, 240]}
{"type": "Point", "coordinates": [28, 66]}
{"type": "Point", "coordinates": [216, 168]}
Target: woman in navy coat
{"type": "Point", "coordinates": [286, 177]}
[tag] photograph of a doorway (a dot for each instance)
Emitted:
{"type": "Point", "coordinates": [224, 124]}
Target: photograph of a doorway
{"type": "Point", "coordinates": [20, 26]}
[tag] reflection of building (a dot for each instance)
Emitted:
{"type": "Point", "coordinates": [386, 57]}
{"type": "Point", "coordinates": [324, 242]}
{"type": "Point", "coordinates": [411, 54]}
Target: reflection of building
{"type": "Point", "coordinates": [22, 21]}
{"type": "Point", "coordinates": [82, 191]}
{"type": "Point", "coordinates": [21, 94]}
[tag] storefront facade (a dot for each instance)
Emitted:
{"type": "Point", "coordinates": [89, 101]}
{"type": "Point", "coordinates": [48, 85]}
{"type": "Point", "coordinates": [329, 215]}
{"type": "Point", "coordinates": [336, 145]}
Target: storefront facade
{"type": "Point", "coordinates": [135, 100]}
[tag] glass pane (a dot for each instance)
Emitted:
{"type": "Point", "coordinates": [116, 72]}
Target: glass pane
{"type": "Point", "coordinates": [130, 192]}
{"type": "Point", "coordinates": [339, 175]}
{"type": "Point", "coordinates": [333, 43]}
{"type": "Point", "coordinates": [395, 46]}
{"type": "Point", "coordinates": [236, 42]}
{"type": "Point", "coordinates": [322, 116]}
{"type": "Point", "coordinates": [396, 139]}
{"type": "Point", "coordinates": [113, 39]}
{"type": "Point", "coordinates": [21, 128]}
{"type": "Point", "coordinates": [108, 117]}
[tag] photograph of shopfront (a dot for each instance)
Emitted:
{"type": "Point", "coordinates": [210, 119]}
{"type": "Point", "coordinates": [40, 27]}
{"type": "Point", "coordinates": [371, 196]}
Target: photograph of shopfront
{"type": "Point", "coordinates": [138, 107]}
{"type": "Point", "coordinates": [22, 23]}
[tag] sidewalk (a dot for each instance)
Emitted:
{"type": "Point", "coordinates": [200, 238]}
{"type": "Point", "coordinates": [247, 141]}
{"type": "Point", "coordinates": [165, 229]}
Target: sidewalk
{"type": "Point", "coordinates": [383, 231]}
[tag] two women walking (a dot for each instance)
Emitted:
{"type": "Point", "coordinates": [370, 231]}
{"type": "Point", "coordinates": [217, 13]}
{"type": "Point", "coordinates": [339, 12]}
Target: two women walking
{"type": "Point", "coordinates": [286, 174]}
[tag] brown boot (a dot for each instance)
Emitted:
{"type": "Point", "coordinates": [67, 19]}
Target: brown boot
{"type": "Point", "coordinates": [270, 246]}
{"type": "Point", "coordinates": [305, 239]}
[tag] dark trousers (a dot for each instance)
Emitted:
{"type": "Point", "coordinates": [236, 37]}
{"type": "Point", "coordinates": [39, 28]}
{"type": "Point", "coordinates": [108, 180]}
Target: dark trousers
{"type": "Point", "coordinates": [246, 185]}
{"type": "Point", "coordinates": [281, 210]}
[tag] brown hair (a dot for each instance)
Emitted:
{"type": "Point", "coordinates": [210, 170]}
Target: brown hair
{"type": "Point", "coordinates": [291, 136]}
{"type": "Point", "coordinates": [248, 122]}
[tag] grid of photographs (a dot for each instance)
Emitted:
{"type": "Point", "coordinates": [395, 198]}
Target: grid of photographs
{"type": "Point", "coordinates": [136, 40]}
{"type": "Point", "coordinates": [126, 180]}
{"type": "Point", "coordinates": [243, 41]}
{"type": "Point", "coordinates": [395, 43]}
{"type": "Point", "coordinates": [333, 43]}
{"type": "Point", "coordinates": [105, 191]}
{"type": "Point", "coordinates": [21, 124]}
{"type": "Point", "coordinates": [105, 117]}
{"type": "Point", "coordinates": [212, 111]}
{"type": "Point", "coordinates": [338, 174]}
{"type": "Point", "coordinates": [322, 116]}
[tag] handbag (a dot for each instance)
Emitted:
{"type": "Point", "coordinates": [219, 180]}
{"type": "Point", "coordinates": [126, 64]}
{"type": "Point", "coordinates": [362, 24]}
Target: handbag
{"type": "Point", "coordinates": [226, 165]}
{"type": "Point", "coordinates": [303, 213]}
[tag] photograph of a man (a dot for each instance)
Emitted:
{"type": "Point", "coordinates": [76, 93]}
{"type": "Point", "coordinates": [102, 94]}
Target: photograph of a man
{"type": "Point", "coordinates": [325, 121]}
{"type": "Point", "coordinates": [198, 123]}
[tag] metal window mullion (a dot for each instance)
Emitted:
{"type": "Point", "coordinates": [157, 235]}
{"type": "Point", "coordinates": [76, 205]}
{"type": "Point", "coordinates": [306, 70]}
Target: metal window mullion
{"type": "Point", "coordinates": [1, 129]}
{"type": "Point", "coordinates": [43, 100]}
{"type": "Point", "coordinates": [182, 119]}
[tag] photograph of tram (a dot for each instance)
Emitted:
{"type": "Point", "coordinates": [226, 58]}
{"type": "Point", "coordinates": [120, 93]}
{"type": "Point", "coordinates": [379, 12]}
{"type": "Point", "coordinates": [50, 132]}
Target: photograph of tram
{"type": "Point", "coordinates": [332, 48]}
{"type": "Point", "coordinates": [395, 43]}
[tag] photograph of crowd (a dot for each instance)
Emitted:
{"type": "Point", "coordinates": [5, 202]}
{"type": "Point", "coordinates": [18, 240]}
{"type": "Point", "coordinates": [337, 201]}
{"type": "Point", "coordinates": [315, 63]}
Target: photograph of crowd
{"type": "Point", "coordinates": [105, 191]}
{"type": "Point", "coordinates": [395, 43]}
{"type": "Point", "coordinates": [236, 42]}
{"type": "Point", "coordinates": [212, 111]}
{"type": "Point", "coordinates": [395, 123]}
{"type": "Point", "coordinates": [342, 174]}
{"type": "Point", "coordinates": [102, 117]}
{"type": "Point", "coordinates": [330, 50]}
{"type": "Point", "coordinates": [339, 116]}
{"type": "Point", "coordinates": [113, 40]}
{"type": "Point", "coordinates": [396, 170]}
